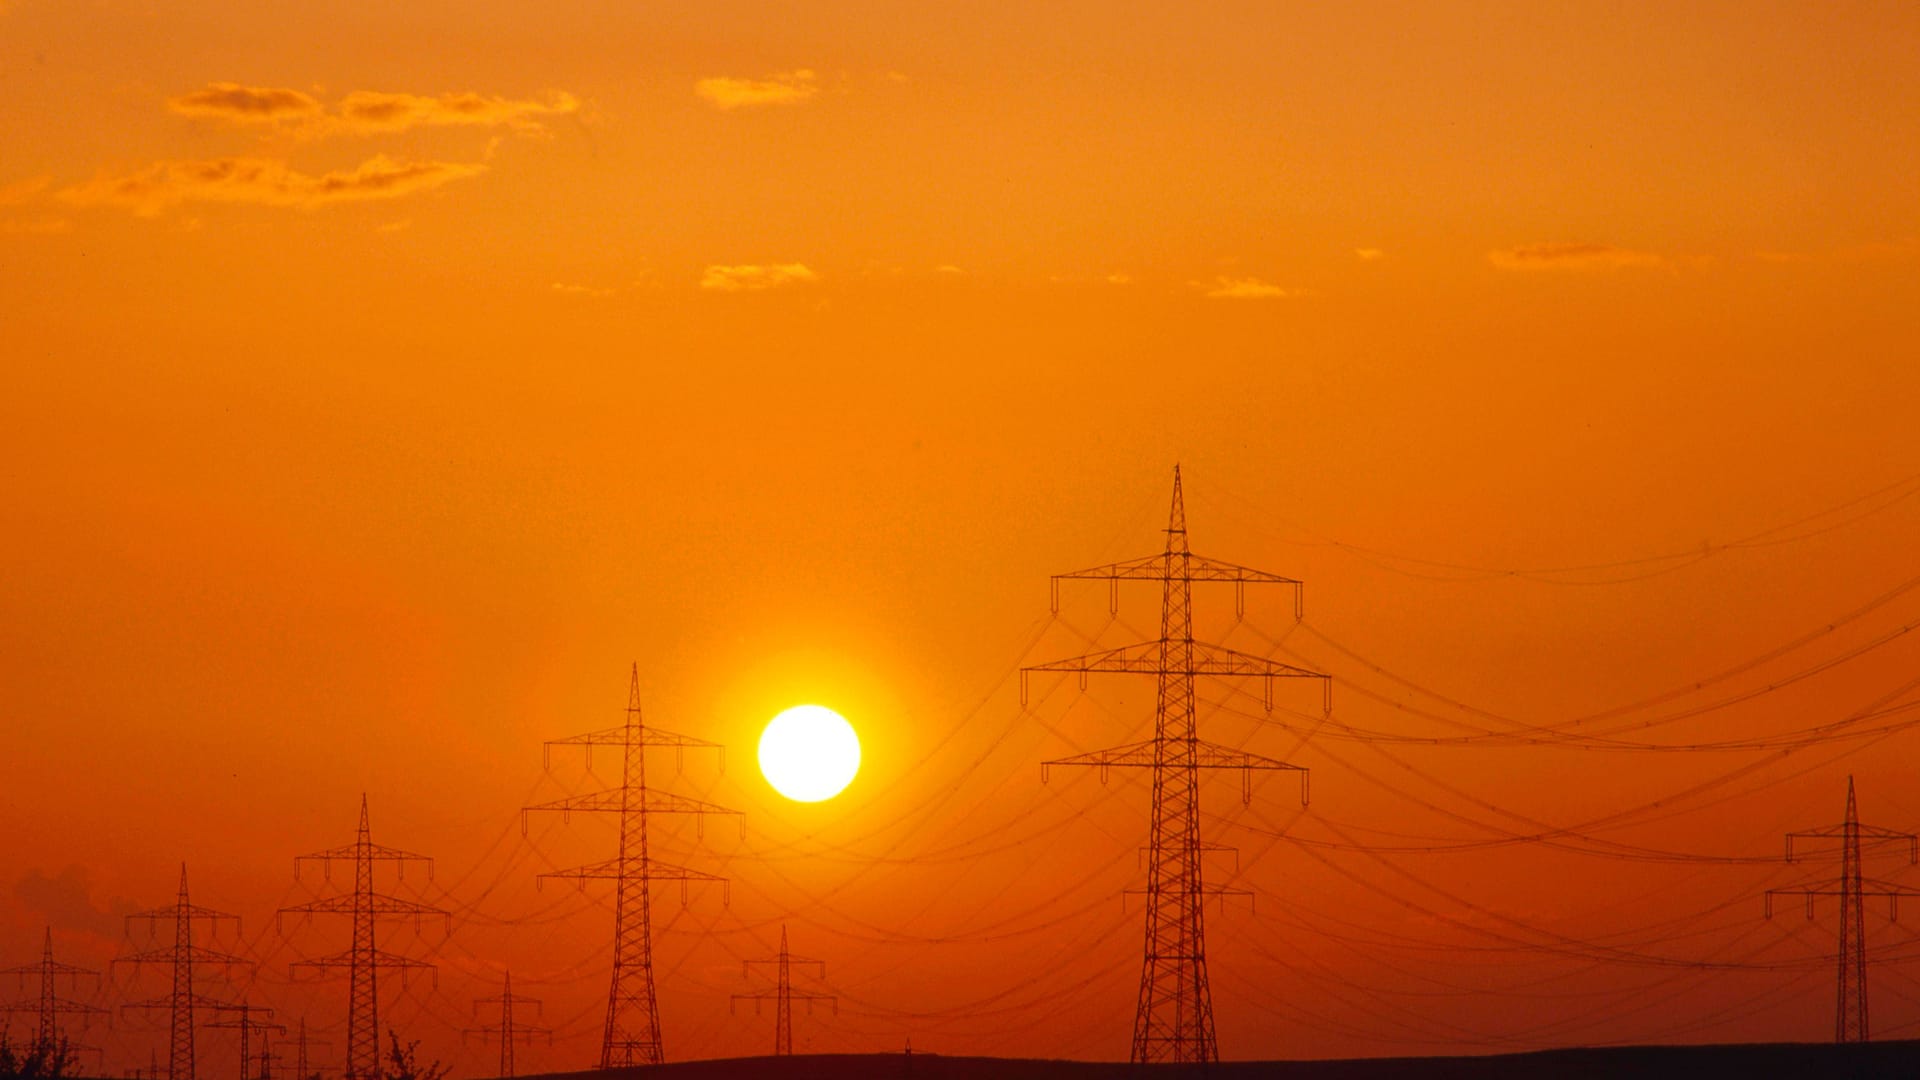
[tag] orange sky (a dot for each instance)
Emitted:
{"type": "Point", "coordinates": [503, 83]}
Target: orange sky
{"type": "Point", "coordinates": [381, 383]}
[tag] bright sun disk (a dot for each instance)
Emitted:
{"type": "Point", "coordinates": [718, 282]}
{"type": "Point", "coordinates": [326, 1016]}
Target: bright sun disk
{"type": "Point", "coordinates": [809, 753]}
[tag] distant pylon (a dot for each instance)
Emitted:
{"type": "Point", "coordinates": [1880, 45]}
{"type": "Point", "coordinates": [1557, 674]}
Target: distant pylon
{"type": "Point", "coordinates": [183, 955]}
{"type": "Point", "coordinates": [632, 1032]}
{"type": "Point", "coordinates": [267, 1056]}
{"type": "Point", "coordinates": [50, 1005]}
{"type": "Point", "coordinates": [1173, 1019]}
{"type": "Point", "coordinates": [784, 994]}
{"type": "Point", "coordinates": [507, 1030]}
{"type": "Point", "coordinates": [246, 1025]}
{"type": "Point", "coordinates": [363, 960]}
{"type": "Point", "coordinates": [301, 1070]}
{"type": "Point", "coordinates": [1850, 1011]}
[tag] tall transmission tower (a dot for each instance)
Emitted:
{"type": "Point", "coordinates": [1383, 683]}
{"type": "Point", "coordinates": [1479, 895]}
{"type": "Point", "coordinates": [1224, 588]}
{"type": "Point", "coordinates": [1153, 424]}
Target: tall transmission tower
{"type": "Point", "coordinates": [507, 1030]}
{"type": "Point", "coordinates": [301, 1070]}
{"type": "Point", "coordinates": [363, 959]}
{"type": "Point", "coordinates": [632, 1032]}
{"type": "Point", "coordinates": [183, 956]}
{"type": "Point", "coordinates": [783, 993]}
{"type": "Point", "coordinates": [1173, 1020]}
{"type": "Point", "coordinates": [246, 1025]}
{"type": "Point", "coordinates": [1850, 1010]}
{"type": "Point", "coordinates": [50, 1005]}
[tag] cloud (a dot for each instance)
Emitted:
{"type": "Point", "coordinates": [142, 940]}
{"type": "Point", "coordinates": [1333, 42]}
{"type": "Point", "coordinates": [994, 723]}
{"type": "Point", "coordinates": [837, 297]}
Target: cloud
{"type": "Point", "coordinates": [581, 290]}
{"type": "Point", "coordinates": [1571, 257]}
{"type": "Point", "coordinates": [369, 112]}
{"type": "Point", "coordinates": [65, 902]}
{"type": "Point", "coordinates": [262, 181]}
{"type": "Point", "coordinates": [246, 104]}
{"type": "Point", "coordinates": [1248, 288]}
{"type": "Point", "coordinates": [1117, 278]}
{"type": "Point", "coordinates": [752, 278]}
{"type": "Point", "coordinates": [783, 88]}
{"type": "Point", "coordinates": [1368, 254]}
{"type": "Point", "coordinates": [366, 112]}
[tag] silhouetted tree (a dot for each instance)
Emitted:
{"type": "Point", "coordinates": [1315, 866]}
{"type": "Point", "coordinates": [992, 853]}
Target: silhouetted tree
{"type": "Point", "coordinates": [402, 1066]}
{"type": "Point", "coordinates": [36, 1061]}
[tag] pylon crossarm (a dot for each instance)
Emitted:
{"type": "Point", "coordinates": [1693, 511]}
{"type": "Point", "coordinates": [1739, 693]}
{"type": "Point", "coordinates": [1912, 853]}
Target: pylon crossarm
{"type": "Point", "coordinates": [614, 802]}
{"type": "Point", "coordinates": [193, 953]}
{"type": "Point", "coordinates": [1866, 833]}
{"type": "Point", "coordinates": [1149, 658]}
{"type": "Point", "coordinates": [1142, 755]}
{"type": "Point", "coordinates": [198, 1001]}
{"type": "Point", "coordinates": [1146, 658]}
{"type": "Point", "coordinates": [378, 904]}
{"type": "Point", "coordinates": [1194, 567]}
{"type": "Point", "coordinates": [176, 912]}
{"type": "Point", "coordinates": [59, 1005]}
{"type": "Point", "coordinates": [376, 852]}
{"type": "Point", "coordinates": [380, 958]}
{"type": "Point", "coordinates": [655, 871]}
{"type": "Point", "coordinates": [1219, 891]}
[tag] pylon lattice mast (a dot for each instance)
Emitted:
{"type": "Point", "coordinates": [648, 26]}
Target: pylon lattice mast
{"type": "Point", "coordinates": [1850, 991]}
{"type": "Point", "coordinates": [632, 1032]}
{"type": "Point", "coordinates": [784, 994]}
{"type": "Point", "coordinates": [247, 1025]}
{"type": "Point", "coordinates": [50, 1006]}
{"type": "Point", "coordinates": [363, 959]}
{"type": "Point", "coordinates": [1173, 1019]}
{"type": "Point", "coordinates": [301, 1070]}
{"type": "Point", "coordinates": [183, 956]}
{"type": "Point", "coordinates": [508, 1030]}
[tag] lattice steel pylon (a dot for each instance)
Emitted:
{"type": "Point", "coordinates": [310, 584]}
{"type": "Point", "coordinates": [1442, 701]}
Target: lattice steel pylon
{"type": "Point", "coordinates": [50, 1005]}
{"type": "Point", "coordinates": [508, 1030]}
{"type": "Point", "coordinates": [1173, 1020]}
{"type": "Point", "coordinates": [363, 959]}
{"type": "Point", "coordinates": [184, 956]}
{"type": "Point", "coordinates": [247, 1025]}
{"type": "Point", "coordinates": [632, 1032]}
{"type": "Point", "coordinates": [783, 993]}
{"type": "Point", "coordinates": [301, 1070]}
{"type": "Point", "coordinates": [1850, 991]}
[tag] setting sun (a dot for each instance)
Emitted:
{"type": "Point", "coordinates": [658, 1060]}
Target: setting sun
{"type": "Point", "coordinates": [809, 753]}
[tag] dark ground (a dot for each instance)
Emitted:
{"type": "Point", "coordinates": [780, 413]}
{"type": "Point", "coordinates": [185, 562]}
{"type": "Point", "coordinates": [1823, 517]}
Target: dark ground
{"type": "Point", "coordinates": [1824, 1060]}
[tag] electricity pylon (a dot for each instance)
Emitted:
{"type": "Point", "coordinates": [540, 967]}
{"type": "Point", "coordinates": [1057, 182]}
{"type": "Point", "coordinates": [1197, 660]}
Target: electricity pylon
{"type": "Point", "coordinates": [246, 1025]}
{"type": "Point", "coordinates": [363, 959]}
{"type": "Point", "coordinates": [183, 955]}
{"type": "Point", "coordinates": [783, 993]}
{"type": "Point", "coordinates": [51, 1005]}
{"type": "Point", "coordinates": [1173, 1020]}
{"type": "Point", "coordinates": [301, 1070]}
{"type": "Point", "coordinates": [1850, 1013]}
{"type": "Point", "coordinates": [507, 1030]}
{"type": "Point", "coordinates": [632, 1033]}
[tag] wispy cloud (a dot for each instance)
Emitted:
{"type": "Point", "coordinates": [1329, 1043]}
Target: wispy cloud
{"type": "Point", "coordinates": [1572, 257]}
{"type": "Point", "coordinates": [782, 88]}
{"type": "Point", "coordinates": [366, 112]}
{"type": "Point", "coordinates": [246, 104]}
{"type": "Point", "coordinates": [1368, 254]}
{"type": "Point", "coordinates": [262, 181]}
{"type": "Point", "coordinates": [581, 290]}
{"type": "Point", "coordinates": [1246, 288]}
{"type": "Point", "coordinates": [751, 278]}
